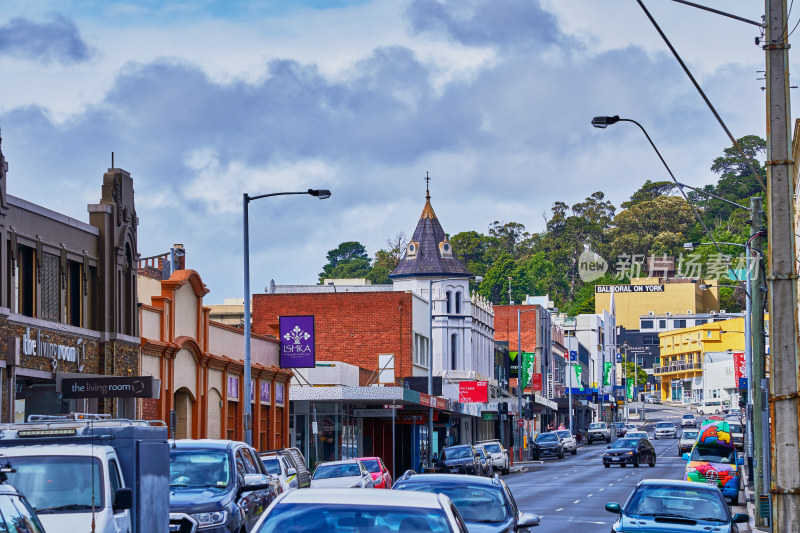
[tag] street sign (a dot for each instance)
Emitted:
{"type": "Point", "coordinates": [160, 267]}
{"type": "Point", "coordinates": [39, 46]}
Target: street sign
{"type": "Point", "coordinates": [521, 423]}
{"type": "Point", "coordinates": [619, 358]}
{"type": "Point", "coordinates": [314, 428]}
{"type": "Point", "coordinates": [392, 406]}
{"type": "Point", "coordinates": [742, 383]}
{"type": "Point", "coordinates": [573, 355]}
{"type": "Point", "coordinates": [107, 387]}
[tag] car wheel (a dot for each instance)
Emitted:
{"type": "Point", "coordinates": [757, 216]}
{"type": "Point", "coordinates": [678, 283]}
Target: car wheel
{"type": "Point", "coordinates": [504, 471]}
{"type": "Point", "coordinates": [622, 465]}
{"type": "Point", "coordinates": [606, 465]}
{"type": "Point", "coordinates": [653, 461]}
{"type": "Point", "coordinates": [562, 455]}
{"type": "Point", "coordinates": [735, 501]}
{"type": "Point", "coordinates": [574, 452]}
{"type": "Point", "coordinates": [608, 439]}
{"type": "Point", "coordinates": [636, 462]}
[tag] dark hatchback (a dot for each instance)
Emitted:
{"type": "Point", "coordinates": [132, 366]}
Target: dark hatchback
{"type": "Point", "coordinates": [461, 459]}
{"type": "Point", "coordinates": [485, 504]}
{"type": "Point", "coordinates": [547, 445]}
{"type": "Point", "coordinates": [217, 486]}
{"type": "Point", "coordinates": [630, 451]}
{"type": "Point", "coordinates": [670, 506]}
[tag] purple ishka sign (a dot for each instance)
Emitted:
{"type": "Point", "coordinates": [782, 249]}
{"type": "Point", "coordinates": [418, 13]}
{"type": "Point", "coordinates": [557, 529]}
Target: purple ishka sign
{"type": "Point", "coordinates": [297, 342]}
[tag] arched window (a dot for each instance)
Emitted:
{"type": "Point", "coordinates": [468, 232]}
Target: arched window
{"type": "Point", "coordinates": [458, 302]}
{"type": "Point", "coordinates": [453, 351]}
{"type": "Point", "coordinates": [449, 302]}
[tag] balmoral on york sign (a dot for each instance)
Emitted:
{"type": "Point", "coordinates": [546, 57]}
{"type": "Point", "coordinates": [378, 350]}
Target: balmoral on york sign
{"type": "Point", "coordinates": [56, 352]}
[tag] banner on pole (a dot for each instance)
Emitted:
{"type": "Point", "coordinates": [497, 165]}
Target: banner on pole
{"type": "Point", "coordinates": [607, 373]}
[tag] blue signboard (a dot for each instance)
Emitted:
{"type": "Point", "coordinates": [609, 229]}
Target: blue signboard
{"type": "Point", "coordinates": [573, 355]}
{"type": "Point", "coordinates": [742, 383]}
{"type": "Point", "coordinates": [619, 358]}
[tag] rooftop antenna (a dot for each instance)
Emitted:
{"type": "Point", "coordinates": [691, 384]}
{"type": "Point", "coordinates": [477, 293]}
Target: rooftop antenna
{"type": "Point", "coordinates": [112, 159]}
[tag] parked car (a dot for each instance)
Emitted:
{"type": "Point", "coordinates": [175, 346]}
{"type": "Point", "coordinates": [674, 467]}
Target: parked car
{"type": "Point", "coordinates": [16, 510]}
{"type": "Point", "coordinates": [486, 505]}
{"type": "Point", "coordinates": [547, 445]}
{"type": "Point", "coordinates": [687, 440]}
{"type": "Point", "coordinates": [688, 420]}
{"type": "Point", "coordinates": [567, 441]}
{"type": "Point", "coordinates": [486, 463]}
{"type": "Point", "coordinates": [345, 474]}
{"type": "Point", "coordinates": [630, 451]}
{"type": "Point", "coordinates": [652, 398]}
{"type": "Point", "coordinates": [598, 431]}
{"type": "Point", "coordinates": [671, 506]}
{"type": "Point", "coordinates": [713, 460]}
{"type": "Point", "coordinates": [711, 406]}
{"type": "Point", "coordinates": [296, 460]}
{"type": "Point", "coordinates": [498, 453]}
{"type": "Point", "coordinates": [380, 474]}
{"type": "Point", "coordinates": [278, 466]}
{"type": "Point", "coordinates": [737, 435]}
{"type": "Point", "coordinates": [460, 459]}
{"type": "Point", "coordinates": [665, 430]}
{"type": "Point", "coordinates": [323, 510]}
{"type": "Point", "coordinates": [220, 484]}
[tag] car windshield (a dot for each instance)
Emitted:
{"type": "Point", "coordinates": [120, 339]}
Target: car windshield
{"type": "Point", "coordinates": [272, 464]}
{"type": "Point", "coordinates": [319, 517]}
{"type": "Point", "coordinates": [55, 484]}
{"type": "Point", "coordinates": [475, 503]}
{"type": "Point", "coordinates": [457, 453]}
{"type": "Point", "coordinates": [198, 468]}
{"type": "Point", "coordinates": [689, 435]}
{"type": "Point", "coordinates": [492, 448]}
{"type": "Point", "coordinates": [626, 443]}
{"type": "Point", "coordinates": [372, 465]}
{"type": "Point", "coordinates": [597, 425]}
{"type": "Point", "coordinates": [688, 416]}
{"type": "Point", "coordinates": [563, 434]}
{"type": "Point", "coordinates": [714, 454]}
{"type": "Point", "coordinates": [735, 428]}
{"type": "Point", "coordinates": [683, 502]}
{"type": "Point", "coordinates": [665, 425]}
{"type": "Point", "coordinates": [336, 470]}
{"type": "Point", "coordinates": [640, 434]}
{"type": "Point", "coordinates": [546, 437]}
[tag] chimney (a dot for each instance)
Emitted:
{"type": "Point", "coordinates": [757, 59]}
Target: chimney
{"type": "Point", "coordinates": [179, 254]}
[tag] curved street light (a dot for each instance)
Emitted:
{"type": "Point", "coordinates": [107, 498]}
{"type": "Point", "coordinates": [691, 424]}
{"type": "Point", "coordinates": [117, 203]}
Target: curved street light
{"type": "Point", "coordinates": [322, 194]}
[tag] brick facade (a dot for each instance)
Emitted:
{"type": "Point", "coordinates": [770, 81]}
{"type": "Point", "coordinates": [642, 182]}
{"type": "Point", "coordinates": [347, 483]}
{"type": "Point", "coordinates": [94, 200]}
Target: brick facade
{"type": "Point", "coordinates": [505, 326]}
{"type": "Point", "coordinates": [350, 327]}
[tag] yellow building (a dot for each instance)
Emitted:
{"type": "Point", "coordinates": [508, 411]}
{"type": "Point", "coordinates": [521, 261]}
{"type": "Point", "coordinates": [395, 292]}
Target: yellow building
{"type": "Point", "coordinates": [658, 296]}
{"type": "Point", "coordinates": [687, 352]}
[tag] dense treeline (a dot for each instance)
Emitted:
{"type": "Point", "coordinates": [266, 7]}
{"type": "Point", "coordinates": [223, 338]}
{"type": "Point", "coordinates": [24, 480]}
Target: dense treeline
{"type": "Point", "coordinates": [656, 221]}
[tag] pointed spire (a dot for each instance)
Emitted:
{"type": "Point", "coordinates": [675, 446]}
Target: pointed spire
{"type": "Point", "coordinates": [427, 211]}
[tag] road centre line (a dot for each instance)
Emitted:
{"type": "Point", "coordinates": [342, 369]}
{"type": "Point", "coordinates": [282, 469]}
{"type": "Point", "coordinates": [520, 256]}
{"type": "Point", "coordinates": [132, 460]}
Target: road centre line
{"type": "Point", "coordinates": [559, 509]}
{"type": "Point", "coordinates": [577, 501]}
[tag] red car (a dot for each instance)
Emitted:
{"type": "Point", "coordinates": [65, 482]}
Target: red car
{"type": "Point", "coordinates": [380, 474]}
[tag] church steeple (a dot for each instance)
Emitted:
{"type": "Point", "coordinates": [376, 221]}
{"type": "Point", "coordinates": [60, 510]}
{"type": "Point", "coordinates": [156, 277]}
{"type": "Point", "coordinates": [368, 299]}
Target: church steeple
{"type": "Point", "coordinates": [429, 253]}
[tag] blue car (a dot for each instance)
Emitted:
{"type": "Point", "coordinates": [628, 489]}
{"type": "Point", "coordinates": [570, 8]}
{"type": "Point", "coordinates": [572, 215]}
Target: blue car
{"type": "Point", "coordinates": [668, 506]}
{"type": "Point", "coordinates": [217, 486]}
{"type": "Point", "coordinates": [485, 504]}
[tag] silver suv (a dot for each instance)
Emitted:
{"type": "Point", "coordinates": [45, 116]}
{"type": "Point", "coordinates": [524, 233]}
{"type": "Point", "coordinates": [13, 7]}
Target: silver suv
{"type": "Point", "coordinates": [688, 420]}
{"type": "Point", "coordinates": [497, 453]}
{"type": "Point", "coordinates": [567, 441]}
{"type": "Point", "coordinates": [665, 430]}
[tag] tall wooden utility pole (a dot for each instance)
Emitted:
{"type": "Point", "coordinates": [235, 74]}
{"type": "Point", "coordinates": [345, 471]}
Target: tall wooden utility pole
{"type": "Point", "coordinates": [782, 279]}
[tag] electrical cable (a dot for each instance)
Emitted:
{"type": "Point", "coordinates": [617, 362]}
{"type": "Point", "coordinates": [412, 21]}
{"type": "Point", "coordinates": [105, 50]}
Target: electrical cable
{"type": "Point", "coordinates": [705, 98]}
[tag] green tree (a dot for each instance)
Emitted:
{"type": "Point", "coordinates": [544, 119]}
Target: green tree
{"type": "Point", "coordinates": [494, 286]}
{"type": "Point", "coordinates": [347, 260]}
{"type": "Point", "coordinates": [650, 191]}
{"type": "Point", "coordinates": [652, 227]}
{"type": "Point", "coordinates": [472, 248]}
{"type": "Point", "coordinates": [634, 371]}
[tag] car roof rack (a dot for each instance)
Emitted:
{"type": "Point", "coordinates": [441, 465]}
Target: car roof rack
{"type": "Point", "coordinates": [407, 474]}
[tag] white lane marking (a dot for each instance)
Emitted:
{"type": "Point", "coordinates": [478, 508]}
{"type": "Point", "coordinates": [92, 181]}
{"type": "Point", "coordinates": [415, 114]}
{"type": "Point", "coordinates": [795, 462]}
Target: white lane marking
{"type": "Point", "coordinates": [559, 509]}
{"type": "Point", "coordinates": [577, 501]}
{"type": "Point", "coordinates": [602, 489]}
{"type": "Point", "coordinates": [590, 495]}
{"type": "Point", "coordinates": [610, 484]}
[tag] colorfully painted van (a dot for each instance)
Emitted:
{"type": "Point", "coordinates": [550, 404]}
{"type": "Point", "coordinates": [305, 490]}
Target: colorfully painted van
{"type": "Point", "coordinates": [713, 460]}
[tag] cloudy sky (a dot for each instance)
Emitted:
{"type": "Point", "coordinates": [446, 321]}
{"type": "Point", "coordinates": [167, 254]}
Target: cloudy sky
{"type": "Point", "coordinates": [202, 100]}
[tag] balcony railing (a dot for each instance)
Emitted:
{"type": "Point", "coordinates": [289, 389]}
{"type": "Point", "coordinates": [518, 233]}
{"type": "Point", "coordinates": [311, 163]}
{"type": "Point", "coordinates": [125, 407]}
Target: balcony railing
{"type": "Point", "coordinates": [676, 367]}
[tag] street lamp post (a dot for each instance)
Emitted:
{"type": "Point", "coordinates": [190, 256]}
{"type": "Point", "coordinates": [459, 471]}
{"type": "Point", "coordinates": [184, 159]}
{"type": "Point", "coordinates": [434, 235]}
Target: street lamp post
{"type": "Point", "coordinates": [519, 377]}
{"type": "Point", "coordinates": [246, 199]}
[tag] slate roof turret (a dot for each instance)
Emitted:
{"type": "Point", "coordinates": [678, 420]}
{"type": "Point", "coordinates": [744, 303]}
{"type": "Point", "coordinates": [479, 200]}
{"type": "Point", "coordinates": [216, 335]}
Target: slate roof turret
{"type": "Point", "coordinates": [429, 253]}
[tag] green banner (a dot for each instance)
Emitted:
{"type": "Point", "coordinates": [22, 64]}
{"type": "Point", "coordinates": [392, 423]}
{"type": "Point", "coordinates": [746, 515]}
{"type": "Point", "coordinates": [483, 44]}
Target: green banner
{"type": "Point", "coordinates": [630, 389]}
{"type": "Point", "coordinates": [578, 373]}
{"type": "Point", "coordinates": [606, 373]}
{"type": "Point", "coordinates": [528, 360]}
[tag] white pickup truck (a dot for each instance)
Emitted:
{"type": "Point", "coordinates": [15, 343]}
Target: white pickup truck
{"type": "Point", "coordinates": [598, 431]}
{"type": "Point", "coordinates": [102, 475]}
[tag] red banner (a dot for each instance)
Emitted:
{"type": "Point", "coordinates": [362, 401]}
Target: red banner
{"type": "Point", "coordinates": [536, 382]}
{"type": "Point", "coordinates": [739, 370]}
{"type": "Point", "coordinates": [473, 391]}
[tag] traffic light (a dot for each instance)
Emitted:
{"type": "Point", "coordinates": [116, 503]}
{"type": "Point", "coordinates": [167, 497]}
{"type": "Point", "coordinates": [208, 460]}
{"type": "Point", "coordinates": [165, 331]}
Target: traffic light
{"type": "Point", "coordinates": [742, 398]}
{"type": "Point", "coordinates": [594, 397]}
{"type": "Point", "coordinates": [502, 410]}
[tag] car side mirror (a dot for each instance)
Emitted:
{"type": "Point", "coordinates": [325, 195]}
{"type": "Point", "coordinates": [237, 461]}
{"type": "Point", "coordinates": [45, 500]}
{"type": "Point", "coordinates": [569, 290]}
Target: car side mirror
{"type": "Point", "coordinates": [740, 518]}
{"type": "Point", "coordinates": [612, 507]}
{"type": "Point", "coordinates": [291, 472]}
{"type": "Point", "coordinates": [740, 461]}
{"type": "Point", "coordinates": [123, 499]}
{"type": "Point", "coordinates": [255, 482]}
{"type": "Point", "coordinates": [609, 446]}
{"type": "Point", "coordinates": [528, 520]}
{"type": "Point", "coordinates": [685, 456]}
